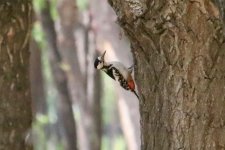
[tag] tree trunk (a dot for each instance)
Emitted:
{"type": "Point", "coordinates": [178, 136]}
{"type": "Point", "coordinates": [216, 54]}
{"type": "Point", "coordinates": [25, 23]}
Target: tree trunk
{"type": "Point", "coordinates": [84, 76]}
{"type": "Point", "coordinates": [37, 80]}
{"type": "Point", "coordinates": [64, 129]}
{"type": "Point", "coordinates": [179, 53]}
{"type": "Point", "coordinates": [15, 100]}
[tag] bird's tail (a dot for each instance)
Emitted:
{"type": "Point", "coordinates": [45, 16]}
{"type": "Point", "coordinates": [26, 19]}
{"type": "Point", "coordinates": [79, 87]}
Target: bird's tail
{"type": "Point", "coordinates": [135, 93]}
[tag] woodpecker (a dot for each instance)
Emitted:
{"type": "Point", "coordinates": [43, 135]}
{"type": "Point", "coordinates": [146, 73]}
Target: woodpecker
{"type": "Point", "coordinates": [118, 72]}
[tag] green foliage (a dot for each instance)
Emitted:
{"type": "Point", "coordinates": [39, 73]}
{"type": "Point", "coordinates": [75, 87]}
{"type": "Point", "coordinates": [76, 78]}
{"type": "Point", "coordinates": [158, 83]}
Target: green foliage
{"type": "Point", "coordinates": [105, 143]}
{"type": "Point", "coordinates": [109, 105]}
{"type": "Point", "coordinates": [50, 89]}
{"type": "Point", "coordinates": [38, 129]}
{"type": "Point", "coordinates": [119, 143]}
{"type": "Point", "coordinates": [40, 4]}
{"type": "Point", "coordinates": [39, 143]}
{"type": "Point", "coordinates": [82, 4]}
{"type": "Point", "coordinates": [43, 140]}
{"type": "Point", "coordinates": [54, 12]}
{"type": "Point", "coordinates": [38, 34]}
{"type": "Point", "coordinates": [51, 92]}
{"type": "Point", "coordinates": [108, 102]}
{"type": "Point", "coordinates": [42, 119]}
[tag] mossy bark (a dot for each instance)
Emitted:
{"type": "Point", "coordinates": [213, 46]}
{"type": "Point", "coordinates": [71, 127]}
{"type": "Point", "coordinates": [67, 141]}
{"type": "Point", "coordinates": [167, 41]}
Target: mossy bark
{"type": "Point", "coordinates": [179, 53]}
{"type": "Point", "coordinates": [15, 100]}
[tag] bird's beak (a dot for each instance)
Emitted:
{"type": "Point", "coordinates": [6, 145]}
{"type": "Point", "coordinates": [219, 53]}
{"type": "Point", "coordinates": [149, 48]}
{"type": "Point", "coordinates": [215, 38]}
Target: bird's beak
{"type": "Point", "coordinates": [103, 55]}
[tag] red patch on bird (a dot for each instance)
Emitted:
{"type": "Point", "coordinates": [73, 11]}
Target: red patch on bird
{"type": "Point", "coordinates": [131, 85]}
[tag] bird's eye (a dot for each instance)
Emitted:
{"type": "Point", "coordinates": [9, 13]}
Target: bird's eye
{"type": "Point", "coordinates": [96, 63]}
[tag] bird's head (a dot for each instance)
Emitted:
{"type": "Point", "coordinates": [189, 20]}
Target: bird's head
{"type": "Point", "coordinates": [99, 62]}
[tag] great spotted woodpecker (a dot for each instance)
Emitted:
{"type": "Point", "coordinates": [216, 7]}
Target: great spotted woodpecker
{"type": "Point", "coordinates": [118, 72]}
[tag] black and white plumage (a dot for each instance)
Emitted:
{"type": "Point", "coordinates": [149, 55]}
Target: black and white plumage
{"type": "Point", "coordinates": [118, 72]}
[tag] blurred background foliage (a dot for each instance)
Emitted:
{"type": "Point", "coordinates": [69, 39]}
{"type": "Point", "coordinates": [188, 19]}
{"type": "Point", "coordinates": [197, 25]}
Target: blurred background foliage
{"type": "Point", "coordinates": [106, 116]}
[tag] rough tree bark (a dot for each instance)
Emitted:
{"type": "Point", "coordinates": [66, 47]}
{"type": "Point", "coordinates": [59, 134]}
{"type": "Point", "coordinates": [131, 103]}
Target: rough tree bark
{"type": "Point", "coordinates": [15, 100]}
{"type": "Point", "coordinates": [179, 53]}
